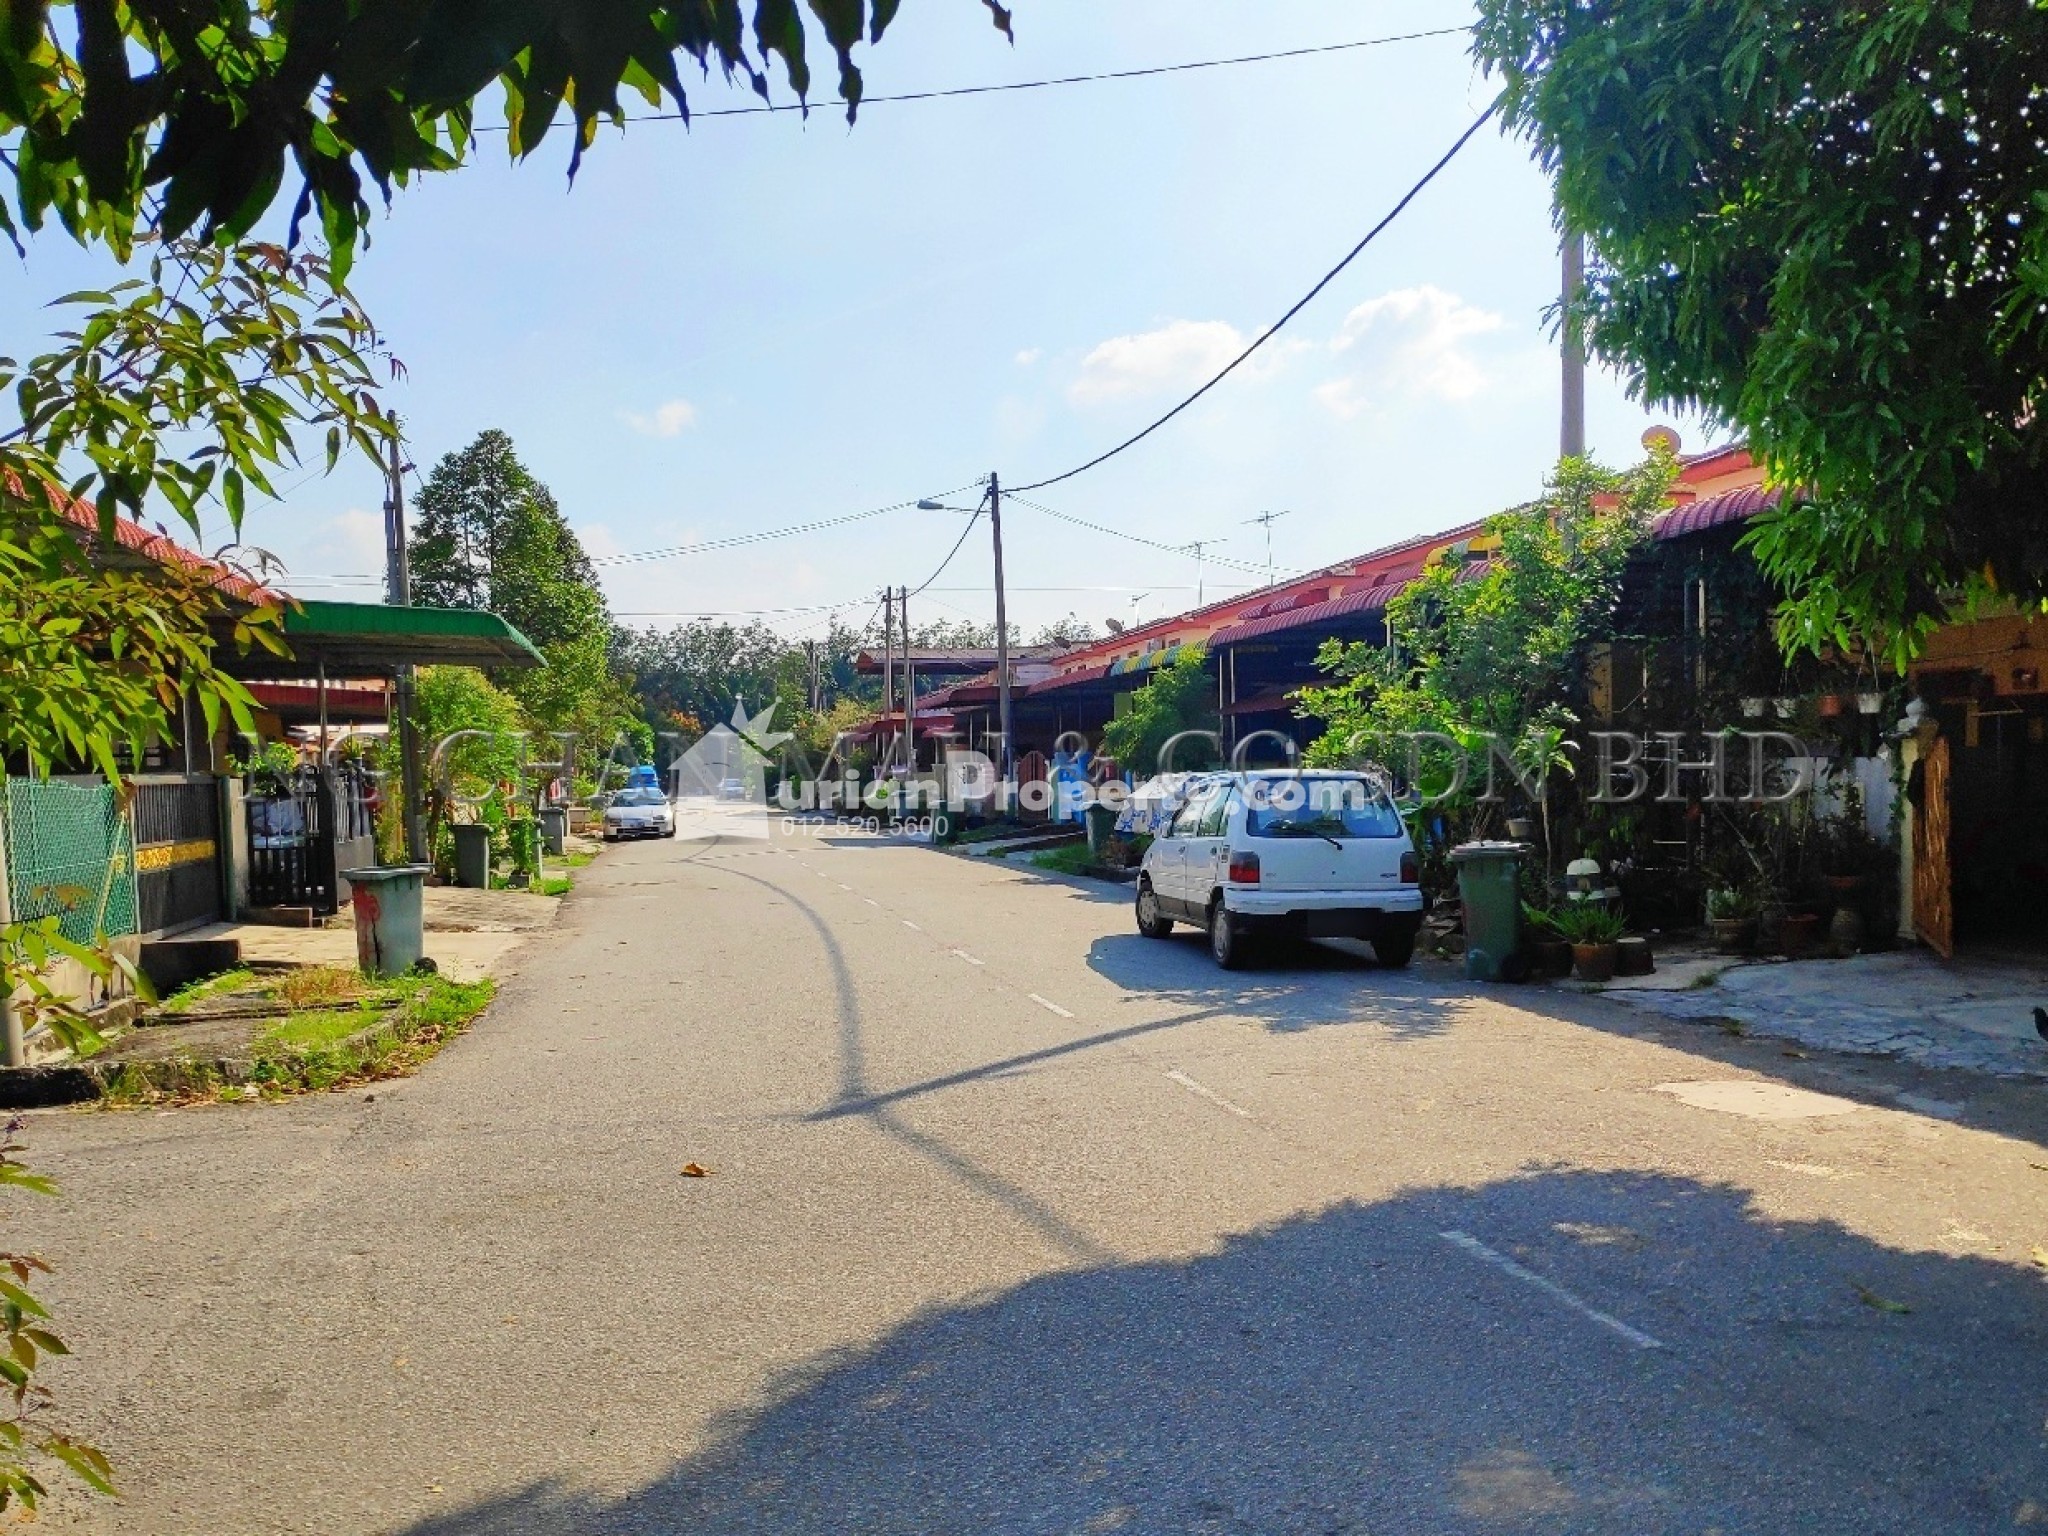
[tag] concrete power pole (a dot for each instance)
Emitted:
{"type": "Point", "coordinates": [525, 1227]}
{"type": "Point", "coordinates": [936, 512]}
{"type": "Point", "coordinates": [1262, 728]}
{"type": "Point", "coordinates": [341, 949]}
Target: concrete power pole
{"type": "Point", "coordinates": [995, 518]}
{"type": "Point", "coordinates": [888, 652]}
{"type": "Point", "coordinates": [1572, 418]}
{"type": "Point", "coordinates": [909, 682]}
{"type": "Point", "coordinates": [398, 592]}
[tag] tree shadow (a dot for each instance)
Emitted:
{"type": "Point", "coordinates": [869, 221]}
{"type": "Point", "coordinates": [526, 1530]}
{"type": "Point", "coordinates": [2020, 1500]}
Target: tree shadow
{"type": "Point", "coordinates": [1561, 1351]}
{"type": "Point", "coordinates": [1290, 986]}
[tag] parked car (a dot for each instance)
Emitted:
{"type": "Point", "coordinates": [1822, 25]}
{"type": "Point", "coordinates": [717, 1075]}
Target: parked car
{"type": "Point", "coordinates": [639, 813]}
{"type": "Point", "coordinates": [1314, 855]}
{"type": "Point", "coordinates": [732, 789]}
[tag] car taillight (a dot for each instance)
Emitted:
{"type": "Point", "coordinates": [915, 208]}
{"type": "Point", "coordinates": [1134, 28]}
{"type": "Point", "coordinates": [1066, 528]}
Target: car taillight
{"type": "Point", "coordinates": [1411, 869]}
{"type": "Point", "coordinates": [1244, 868]}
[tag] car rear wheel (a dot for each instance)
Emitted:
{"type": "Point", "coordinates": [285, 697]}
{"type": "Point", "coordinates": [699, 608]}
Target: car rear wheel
{"type": "Point", "coordinates": [1152, 922]}
{"type": "Point", "coordinates": [1394, 950]}
{"type": "Point", "coordinates": [1227, 938]}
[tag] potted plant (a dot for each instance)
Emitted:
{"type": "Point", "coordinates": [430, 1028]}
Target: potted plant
{"type": "Point", "coordinates": [1594, 930]}
{"type": "Point", "coordinates": [1550, 950]}
{"type": "Point", "coordinates": [1731, 919]}
{"type": "Point", "coordinates": [1830, 705]}
{"type": "Point", "coordinates": [1752, 707]}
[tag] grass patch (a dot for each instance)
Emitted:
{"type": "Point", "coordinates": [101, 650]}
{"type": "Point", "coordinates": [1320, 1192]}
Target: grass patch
{"type": "Point", "coordinates": [555, 885]}
{"type": "Point", "coordinates": [994, 830]}
{"type": "Point", "coordinates": [576, 860]}
{"type": "Point", "coordinates": [387, 1029]}
{"type": "Point", "coordinates": [314, 985]}
{"type": "Point", "coordinates": [198, 991]}
{"type": "Point", "coordinates": [1067, 859]}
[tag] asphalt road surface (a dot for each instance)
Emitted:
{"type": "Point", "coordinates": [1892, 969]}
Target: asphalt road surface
{"type": "Point", "coordinates": [1018, 1222]}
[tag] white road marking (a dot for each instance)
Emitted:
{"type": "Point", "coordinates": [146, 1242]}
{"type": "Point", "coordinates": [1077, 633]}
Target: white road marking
{"type": "Point", "coordinates": [912, 926]}
{"type": "Point", "coordinates": [871, 901]}
{"type": "Point", "coordinates": [962, 954]}
{"type": "Point", "coordinates": [1550, 1288]}
{"type": "Point", "coordinates": [844, 886]}
{"type": "Point", "coordinates": [1210, 1094]}
{"type": "Point", "coordinates": [1049, 1004]}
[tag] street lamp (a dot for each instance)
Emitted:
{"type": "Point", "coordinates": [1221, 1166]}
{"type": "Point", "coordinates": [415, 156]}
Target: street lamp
{"type": "Point", "coordinates": [995, 520]}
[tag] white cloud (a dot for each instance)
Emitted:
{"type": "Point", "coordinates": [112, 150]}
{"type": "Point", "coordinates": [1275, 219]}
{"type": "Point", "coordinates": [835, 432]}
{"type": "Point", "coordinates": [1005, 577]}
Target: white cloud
{"type": "Point", "coordinates": [599, 542]}
{"type": "Point", "coordinates": [668, 419]}
{"type": "Point", "coordinates": [1029, 356]}
{"type": "Point", "coordinates": [1177, 354]}
{"type": "Point", "coordinates": [353, 541]}
{"type": "Point", "coordinates": [1412, 342]}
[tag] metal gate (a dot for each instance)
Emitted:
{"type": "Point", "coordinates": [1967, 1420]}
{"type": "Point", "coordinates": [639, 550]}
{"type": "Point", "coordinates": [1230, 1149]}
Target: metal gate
{"type": "Point", "coordinates": [291, 847]}
{"type": "Point", "coordinates": [177, 853]}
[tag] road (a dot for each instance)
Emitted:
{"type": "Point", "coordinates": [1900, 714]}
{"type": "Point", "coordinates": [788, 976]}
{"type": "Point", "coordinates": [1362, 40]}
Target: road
{"type": "Point", "coordinates": [1017, 1222]}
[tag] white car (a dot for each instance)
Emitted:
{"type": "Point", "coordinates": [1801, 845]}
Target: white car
{"type": "Point", "coordinates": [639, 813]}
{"type": "Point", "coordinates": [1315, 855]}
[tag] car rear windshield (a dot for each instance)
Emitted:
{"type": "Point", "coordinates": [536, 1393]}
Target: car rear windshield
{"type": "Point", "coordinates": [640, 797]}
{"type": "Point", "coordinates": [1338, 808]}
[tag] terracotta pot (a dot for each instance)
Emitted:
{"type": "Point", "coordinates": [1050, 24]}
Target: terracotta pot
{"type": "Point", "coordinates": [1800, 932]}
{"type": "Point", "coordinates": [1732, 935]}
{"type": "Point", "coordinates": [1830, 705]}
{"type": "Point", "coordinates": [1845, 885]}
{"type": "Point", "coordinates": [1596, 962]}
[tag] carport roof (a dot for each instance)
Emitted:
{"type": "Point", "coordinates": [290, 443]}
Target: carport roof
{"type": "Point", "coordinates": [374, 640]}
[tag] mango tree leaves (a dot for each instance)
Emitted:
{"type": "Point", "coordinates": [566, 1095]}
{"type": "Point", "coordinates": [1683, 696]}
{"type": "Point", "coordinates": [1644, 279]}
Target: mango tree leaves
{"type": "Point", "coordinates": [1827, 225]}
{"type": "Point", "coordinates": [171, 115]}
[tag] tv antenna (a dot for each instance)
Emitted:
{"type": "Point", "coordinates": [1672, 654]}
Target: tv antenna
{"type": "Point", "coordinates": [1267, 520]}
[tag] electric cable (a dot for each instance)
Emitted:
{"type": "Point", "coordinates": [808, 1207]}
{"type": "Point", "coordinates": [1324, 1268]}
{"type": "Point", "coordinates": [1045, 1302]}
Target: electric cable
{"type": "Point", "coordinates": [1274, 329]}
{"type": "Point", "coordinates": [1118, 533]}
{"type": "Point", "coordinates": [769, 108]}
{"type": "Point", "coordinates": [734, 541]}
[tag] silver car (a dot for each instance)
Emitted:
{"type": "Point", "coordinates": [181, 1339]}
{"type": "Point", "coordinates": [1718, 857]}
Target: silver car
{"type": "Point", "coordinates": [639, 813]}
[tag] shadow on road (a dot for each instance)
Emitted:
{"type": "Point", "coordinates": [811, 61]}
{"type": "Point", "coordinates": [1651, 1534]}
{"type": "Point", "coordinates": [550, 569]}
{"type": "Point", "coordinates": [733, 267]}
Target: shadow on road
{"type": "Point", "coordinates": [1357, 1371]}
{"type": "Point", "coordinates": [1291, 987]}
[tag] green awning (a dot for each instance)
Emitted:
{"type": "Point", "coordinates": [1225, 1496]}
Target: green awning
{"type": "Point", "coordinates": [374, 640]}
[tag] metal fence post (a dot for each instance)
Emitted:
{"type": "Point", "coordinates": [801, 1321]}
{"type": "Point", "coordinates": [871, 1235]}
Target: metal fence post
{"type": "Point", "coordinates": [11, 1048]}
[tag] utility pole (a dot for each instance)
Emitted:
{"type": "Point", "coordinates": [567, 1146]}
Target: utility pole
{"type": "Point", "coordinates": [1572, 426]}
{"type": "Point", "coordinates": [995, 518]}
{"type": "Point", "coordinates": [398, 592]}
{"type": "Point", "coordinates": [888, 652]}
{"type": "Point", "coordinates": [909, 685]}
{"type": "Point", "coordinates": [1267, 520]}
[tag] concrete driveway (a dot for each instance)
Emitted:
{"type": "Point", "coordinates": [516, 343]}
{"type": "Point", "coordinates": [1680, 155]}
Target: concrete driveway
{"type": "Point", "coordinates": [1017, 1222]}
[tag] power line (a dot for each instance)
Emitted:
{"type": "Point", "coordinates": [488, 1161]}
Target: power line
{"type": "Point", "coordinates": [734, 541]}
{"type": "Point", "coordinates": [1274, 329]}
{"type": "Point", "coordinates": [770, 108]}
{"type": "Point", "coordinates": [1118, 533]}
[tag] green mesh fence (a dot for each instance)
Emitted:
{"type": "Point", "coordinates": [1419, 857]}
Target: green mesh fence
{"type": "Point", "coordinates": [68, 853]}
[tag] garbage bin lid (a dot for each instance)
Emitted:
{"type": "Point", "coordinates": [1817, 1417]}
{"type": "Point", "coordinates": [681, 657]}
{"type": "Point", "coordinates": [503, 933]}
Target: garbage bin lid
{"type": "Point", "coordinates": [386, 872]}
{"type": "Point", "coordinates": [1487, 850]}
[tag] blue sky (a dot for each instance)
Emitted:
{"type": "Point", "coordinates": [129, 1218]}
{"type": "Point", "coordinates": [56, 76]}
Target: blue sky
{"type": "Point", "coordinates": [761, 321]}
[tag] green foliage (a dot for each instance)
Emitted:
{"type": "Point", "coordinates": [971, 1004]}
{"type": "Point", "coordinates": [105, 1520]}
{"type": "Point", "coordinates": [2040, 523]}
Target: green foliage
{"type": "Point", "coordinates": [1588, 922]}
{"type": "Point", "coordinates": [189, 387]}
{"type": "Point", "coordinates": [705, 669]}
{"type": "Point", "coordinates": [1824, 224]}
{"type": "Point", "coordinates": [1068, 859]}
{"type": "Point", "coordinates": [488, 535]}
{"type": "Point", "coordinates": [159, 115]}
{"type": "Point", "coordinates": [1180, 697]}
{"type": "Point", "coordinates": [1072, 630]}
{"type": "Point", "coordinates": [1499, 653]}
